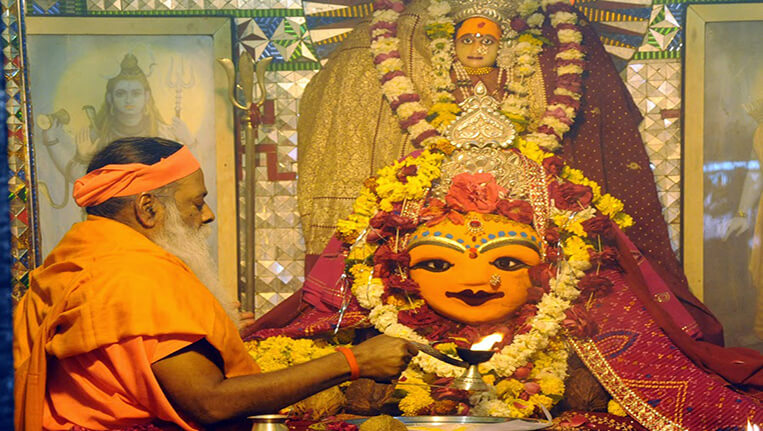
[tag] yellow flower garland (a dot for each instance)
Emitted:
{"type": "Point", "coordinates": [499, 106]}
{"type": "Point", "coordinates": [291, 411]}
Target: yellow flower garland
{"type": "Point", "coordinates": [388, 189]}
{"type": "Point", "coordinates": [280, 352]}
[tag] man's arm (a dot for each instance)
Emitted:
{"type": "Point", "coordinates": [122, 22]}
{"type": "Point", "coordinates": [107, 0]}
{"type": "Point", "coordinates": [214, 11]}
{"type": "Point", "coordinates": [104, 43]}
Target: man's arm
{"type": "Point", "coordinates": [193, 381]}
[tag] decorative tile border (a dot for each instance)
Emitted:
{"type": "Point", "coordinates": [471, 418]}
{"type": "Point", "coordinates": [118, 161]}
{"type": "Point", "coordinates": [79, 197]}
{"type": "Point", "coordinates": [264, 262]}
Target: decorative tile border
{"type": "Point", "coordinates": [656, 55]}
{"type": "Point", "coordinates": [20, 193]}
{"type": "Point", "coordinates": [6, 305]}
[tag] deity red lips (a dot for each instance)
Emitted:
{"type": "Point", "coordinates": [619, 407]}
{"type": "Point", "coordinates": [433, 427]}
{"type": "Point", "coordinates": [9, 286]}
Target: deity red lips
{"type": "Point", "coordinates": [474, 298]}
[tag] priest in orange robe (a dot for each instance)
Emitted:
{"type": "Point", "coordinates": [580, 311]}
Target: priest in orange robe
{"type": "Point", "coordinates": [120, 328]}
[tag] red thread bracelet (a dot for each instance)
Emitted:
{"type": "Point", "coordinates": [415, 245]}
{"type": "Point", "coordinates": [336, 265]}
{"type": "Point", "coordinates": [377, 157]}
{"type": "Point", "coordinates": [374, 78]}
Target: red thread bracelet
{"type": "Point", "coordinates": [354, 368]}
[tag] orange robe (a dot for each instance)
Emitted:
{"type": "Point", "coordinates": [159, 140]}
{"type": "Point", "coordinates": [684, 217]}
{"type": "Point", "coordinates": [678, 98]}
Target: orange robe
{"type": "Point", "coordinates": [104, 306]}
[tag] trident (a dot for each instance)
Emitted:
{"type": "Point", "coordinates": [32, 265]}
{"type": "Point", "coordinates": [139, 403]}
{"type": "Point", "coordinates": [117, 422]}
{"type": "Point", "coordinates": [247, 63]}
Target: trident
{"type": "Point", "coordinates": [251, 119]}
{"type": "Point", "coordinates": [179, 83]}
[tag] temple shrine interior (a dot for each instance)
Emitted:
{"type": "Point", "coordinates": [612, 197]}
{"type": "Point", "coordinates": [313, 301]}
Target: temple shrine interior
{"type": "Point", "coordinates": [551, 210]}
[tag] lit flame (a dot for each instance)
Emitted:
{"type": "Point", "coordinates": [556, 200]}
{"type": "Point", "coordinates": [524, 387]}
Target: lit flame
{"type": "Point", "coordinates": [751, 427]}
{"type": "Point", "coordinates": [487, 342]}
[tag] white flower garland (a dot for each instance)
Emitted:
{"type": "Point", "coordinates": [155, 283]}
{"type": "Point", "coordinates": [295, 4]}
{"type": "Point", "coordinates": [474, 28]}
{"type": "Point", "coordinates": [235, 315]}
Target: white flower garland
{"type": "Point", "coordinates": [385, 47]}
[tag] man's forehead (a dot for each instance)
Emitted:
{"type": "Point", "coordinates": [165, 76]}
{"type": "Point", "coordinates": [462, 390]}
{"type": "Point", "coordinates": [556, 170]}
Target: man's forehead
{"type": "Point", "coordinates": [192, 184]}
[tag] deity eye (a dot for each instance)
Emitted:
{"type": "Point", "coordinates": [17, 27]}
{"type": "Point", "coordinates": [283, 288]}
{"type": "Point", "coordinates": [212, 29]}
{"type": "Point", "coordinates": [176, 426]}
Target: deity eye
{"type": "Point", "coordinates": [433, 265]}
{"type": "Point", "coordinates": [507, 263]}
{"type": "Point", "coordinates": [466, 40]}
{"type": "Point", "coordinates": [487, 41]}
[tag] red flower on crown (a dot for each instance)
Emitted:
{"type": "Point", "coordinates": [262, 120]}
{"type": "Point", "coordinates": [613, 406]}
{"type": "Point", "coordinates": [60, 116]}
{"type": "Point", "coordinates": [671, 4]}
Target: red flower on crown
{"type": "Point", "coordinates": [437, 211]}
{"type": "Point", "coordinates": [517, 210]}
{"type": "Point", "coordinates": [474, 192]}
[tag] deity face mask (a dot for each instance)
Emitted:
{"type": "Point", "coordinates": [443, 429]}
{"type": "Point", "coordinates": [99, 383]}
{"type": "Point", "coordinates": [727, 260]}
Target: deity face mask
{"type": "Point", "coordinates": [476, 42]}
{"type": "Point", "coordinates": [476, 50]}
{"type": "Point", "coordinates": [476, 272]}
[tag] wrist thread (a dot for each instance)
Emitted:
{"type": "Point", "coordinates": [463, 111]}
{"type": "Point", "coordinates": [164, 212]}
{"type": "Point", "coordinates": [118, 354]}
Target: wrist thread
{"type": "Point", "coordinates": [351, 360]}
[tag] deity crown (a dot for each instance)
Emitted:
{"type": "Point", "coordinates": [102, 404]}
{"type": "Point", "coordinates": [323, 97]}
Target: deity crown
{"type": "Point", "coordinates": [500, 11]}
{"type": "Point", "coordinates": [129, 68]}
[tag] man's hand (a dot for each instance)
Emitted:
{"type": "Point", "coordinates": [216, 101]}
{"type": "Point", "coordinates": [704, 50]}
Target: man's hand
{"type": "Point", "coordinates": [193, 381]}
{"type": "Point", "coordinates": [383, 358]}
{"type": "Point", "coordinates": [245, 320]}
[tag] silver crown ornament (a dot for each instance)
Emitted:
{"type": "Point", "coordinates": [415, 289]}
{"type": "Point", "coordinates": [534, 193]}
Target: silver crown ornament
{"type": "Point", "coordinates": [499, 11]}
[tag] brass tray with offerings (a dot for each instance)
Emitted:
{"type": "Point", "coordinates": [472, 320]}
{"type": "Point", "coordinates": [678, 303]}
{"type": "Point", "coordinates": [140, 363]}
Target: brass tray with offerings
{"type": "Point", "coordinates": [466, 423]}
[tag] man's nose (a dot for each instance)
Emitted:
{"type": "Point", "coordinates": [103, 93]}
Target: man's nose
{"type": "Point", "coordinates": [207, 216]}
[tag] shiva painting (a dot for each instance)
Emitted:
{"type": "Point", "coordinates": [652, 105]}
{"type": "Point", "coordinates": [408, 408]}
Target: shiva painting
{"type": "Point", "coordinates": [94, 80]}
{"type": "Point", "coordinates": [732, 150]}
{"type": "Point", "coordinates": [88, 90]}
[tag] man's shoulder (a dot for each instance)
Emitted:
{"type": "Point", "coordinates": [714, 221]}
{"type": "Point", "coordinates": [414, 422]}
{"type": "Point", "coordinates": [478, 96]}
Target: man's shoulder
{"type": "Point", "coordinates": [149, 267]}
{"type": "Point", "coordinates": [104, 246]}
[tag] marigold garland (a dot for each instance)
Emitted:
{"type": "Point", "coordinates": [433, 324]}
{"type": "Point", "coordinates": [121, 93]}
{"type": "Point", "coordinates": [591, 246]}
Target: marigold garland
{"type": "Point", "coordinates": [406, 179]}
{"type": "Point", "coordinates": [280, 352]}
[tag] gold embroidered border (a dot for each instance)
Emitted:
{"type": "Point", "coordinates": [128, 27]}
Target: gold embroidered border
{"type": "Point", "coordinates": [611, 424]}
{"type": "Point", "coordinates": [633, 404]}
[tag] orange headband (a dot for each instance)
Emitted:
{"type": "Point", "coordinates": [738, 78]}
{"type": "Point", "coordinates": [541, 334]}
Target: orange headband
{"type": "Point", "coordinates": [479, 25]}
{"type": "Point", "coordinates": [112, 181]}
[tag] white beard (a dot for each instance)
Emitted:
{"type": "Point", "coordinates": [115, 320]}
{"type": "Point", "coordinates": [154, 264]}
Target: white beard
{"type": "Point", "coordinates": [190, 245]}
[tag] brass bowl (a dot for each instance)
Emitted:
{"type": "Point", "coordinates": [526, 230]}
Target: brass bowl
{"type": "Point", "coordinates": [474, 357]}
{"type": "Point", "coordinates": [269, 423]}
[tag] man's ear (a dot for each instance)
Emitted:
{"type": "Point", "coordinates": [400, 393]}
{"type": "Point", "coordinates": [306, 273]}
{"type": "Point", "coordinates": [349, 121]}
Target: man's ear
{"type": "Point", "coordinates": [147, 210]}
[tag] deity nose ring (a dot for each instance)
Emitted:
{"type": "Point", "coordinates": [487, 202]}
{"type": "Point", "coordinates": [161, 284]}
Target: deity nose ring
{"type": "Point", "coordinates": [495, 280]}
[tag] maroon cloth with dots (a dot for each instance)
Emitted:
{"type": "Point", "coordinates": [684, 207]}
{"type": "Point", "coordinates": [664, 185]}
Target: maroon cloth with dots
{"type": "Point", "coordinates": [606, 145]}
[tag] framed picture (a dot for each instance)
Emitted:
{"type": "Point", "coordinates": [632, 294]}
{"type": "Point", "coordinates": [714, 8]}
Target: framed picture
{"type": "Point", "coordinates": [93, 80]}
{"type": "Point", "coordinates": [723, 150]}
